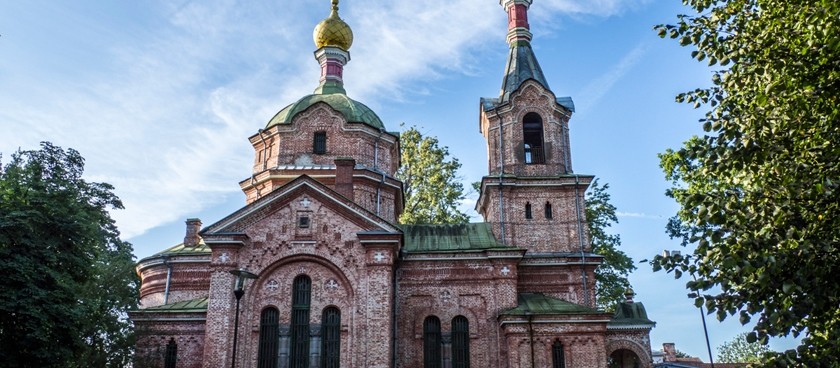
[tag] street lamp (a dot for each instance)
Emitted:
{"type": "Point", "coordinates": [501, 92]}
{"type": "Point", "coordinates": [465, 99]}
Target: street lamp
{"type": "Point", "coordinates": [238, 291]}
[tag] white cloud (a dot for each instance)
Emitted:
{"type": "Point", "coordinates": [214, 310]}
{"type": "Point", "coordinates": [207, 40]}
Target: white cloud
{"type": "Point", "coordinates": [598, 88]}
{"type": "Point", "coordinates": [637, 215]}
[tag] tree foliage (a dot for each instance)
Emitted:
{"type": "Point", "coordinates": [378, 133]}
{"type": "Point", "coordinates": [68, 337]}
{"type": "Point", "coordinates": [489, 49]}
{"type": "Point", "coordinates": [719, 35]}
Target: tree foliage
{"type": "Point", "coordinates": [759, 192]}
{"type": "Point", "coordinates": [738, 350]}
{"type": "Point", "coordinates": [611, 276]}
{"type": "Point", "coordinates": [67, 277]}
{"type": "Point", "coordinates": [430, 183]}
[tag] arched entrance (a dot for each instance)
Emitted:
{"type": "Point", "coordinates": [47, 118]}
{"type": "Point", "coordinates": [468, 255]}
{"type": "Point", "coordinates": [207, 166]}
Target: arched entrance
{"type": "Point", "coordinates": [624, 358]}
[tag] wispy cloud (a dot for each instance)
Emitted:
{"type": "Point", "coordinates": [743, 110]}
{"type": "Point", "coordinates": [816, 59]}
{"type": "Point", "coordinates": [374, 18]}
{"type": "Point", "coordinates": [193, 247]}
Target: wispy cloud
{"type": "Point", "coordinates": [637, 215]}
{"type": "Point", "coordinates": [598, 88]}
{"type": "Point", "coordinates": [589, 7]}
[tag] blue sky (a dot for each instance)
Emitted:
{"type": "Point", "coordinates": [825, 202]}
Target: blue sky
{"type": "Point", "coordinates": [160, 97]}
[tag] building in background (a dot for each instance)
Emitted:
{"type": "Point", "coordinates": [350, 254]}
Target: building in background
{"type": "Point", "coordinates": [341, 284]}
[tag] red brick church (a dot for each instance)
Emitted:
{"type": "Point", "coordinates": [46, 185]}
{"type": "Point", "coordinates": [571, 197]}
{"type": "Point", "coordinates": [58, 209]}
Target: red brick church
{"type": "Point", "coordinates": [328, 277]}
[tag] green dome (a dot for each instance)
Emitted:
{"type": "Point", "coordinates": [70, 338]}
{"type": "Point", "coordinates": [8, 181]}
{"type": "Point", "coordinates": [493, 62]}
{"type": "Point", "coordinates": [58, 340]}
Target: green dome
{"type": "Point", "coordinates": [354, 111]}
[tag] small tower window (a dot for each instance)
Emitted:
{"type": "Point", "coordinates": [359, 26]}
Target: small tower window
{"type": "Point", "coordinates": [532, 137]}
{"type": "Point", "coordinates": [303, 222]}
{"type": "Point", "coordinates": [319, 143]}
{"type": "Point", "coordinates": [548, 214]}
{"type": "Point", "coordinates": [528, 210]}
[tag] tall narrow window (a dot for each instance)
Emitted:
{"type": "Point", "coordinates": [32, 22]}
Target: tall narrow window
{"type": "Point", "coordinates": [301, 292]}
{"type": "Point", "coordinates": [532, 137]}
{"type": "Point", "coordinates": [528, 210]}
{"type": "Point", "coordinates": [558, 359]}
{"type": "Point", "coordinates": [548, 213]}
{"type": "Point", "coordinates": [269, 338]}
{"type": "Point", "coordinates": [431, 343]}
{"type": "Point", "coordinates": [330, 338]}
{"type": "Point", "coordinates": [171, 354]}
{"type": "Point", "coordinates": [319, 143]}
{"type": "Point", "coordinates": [460, 342]}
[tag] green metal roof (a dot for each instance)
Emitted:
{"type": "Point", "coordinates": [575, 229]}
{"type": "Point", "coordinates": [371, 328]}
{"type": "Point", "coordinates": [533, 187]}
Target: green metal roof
{"type": "Point", "coordinates": [354, 111]}
{"type": "Point", "coordinates": [182, 249]}
{"type": "Point", "coordinates": [186, 306]}
{"type": "Point", "coordinates": [630, 314]}
{"type": "Point", "coordinates": [538, 303]}
{"type": "Point", "coordinates": [521, 66]}
{"type": "Point", "coordinates": [449, 237]}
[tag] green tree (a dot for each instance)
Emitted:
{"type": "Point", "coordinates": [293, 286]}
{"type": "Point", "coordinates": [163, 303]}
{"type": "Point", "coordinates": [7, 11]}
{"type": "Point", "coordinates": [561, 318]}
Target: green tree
{"type": "Point", "coordinates": [67, 277]}
{"type": "Point", "coordinates": [611, 276]}
{"type": "Point", "coordinates": [758, 192]}
{"type": "Point", "coordinates": [430, 183]}
{"type": "Point", "coordinates": [738, 350]}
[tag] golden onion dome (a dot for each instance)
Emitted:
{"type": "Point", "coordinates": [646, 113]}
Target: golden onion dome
{"type": "Point", "coordinates": [332, 31]}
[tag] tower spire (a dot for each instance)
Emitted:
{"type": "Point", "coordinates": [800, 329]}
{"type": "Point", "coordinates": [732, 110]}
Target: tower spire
{"type": "Point", "coordinates": [522, 64]}
{"type": "Point", "coordinates": [333, 38]}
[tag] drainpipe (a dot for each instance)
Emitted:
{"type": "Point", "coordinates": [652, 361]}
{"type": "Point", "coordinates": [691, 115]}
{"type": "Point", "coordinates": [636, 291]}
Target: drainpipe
{"type": "Point", "coordinates": [580, 240]}
{"type": "Point", "coordinates": [531, 336]}
{"type": "Point", "coordinates": [168, 279]}
{"type": "Point", "coordinates": [379, 194]}
{"type": "Point", "coordinates": [567, 160]}
{"type": "Point", "coordinates": [265, 149]}
{"type": "Point", "coordinates": [376, 167]}
{"type": "Point", "coordinates": [394, 322]}
{"type": "Point", "coordinates": [501, 172]}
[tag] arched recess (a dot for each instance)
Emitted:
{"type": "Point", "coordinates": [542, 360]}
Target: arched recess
{"type": "Point", "coordinates": [265, 275]}
{"type": "Point", "coordinates": [273, 289]}
{"type": "Point", "coordinates": [632, 346]}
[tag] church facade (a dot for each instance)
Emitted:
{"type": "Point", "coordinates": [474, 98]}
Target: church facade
{"type": "Point", "coordinates": [325, 276]}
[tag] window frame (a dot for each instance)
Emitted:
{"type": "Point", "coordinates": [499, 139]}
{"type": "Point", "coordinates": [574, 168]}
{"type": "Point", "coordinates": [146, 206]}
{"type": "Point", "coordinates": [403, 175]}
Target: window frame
{"type": "Point", "coordinates": [319, 143]}
{"type": "Point", "coordinates": [269, 341]}
{"type": "Point", "coordinates": [432, 343]}
{"type": "Point", "coordinates": [299, 338]}
{"type": "Point", "coordinates": [331, 337]}
{"type": "Point", "coordinates": [460, 342]}
{"type": "Point", "coordinates": [533, 141]}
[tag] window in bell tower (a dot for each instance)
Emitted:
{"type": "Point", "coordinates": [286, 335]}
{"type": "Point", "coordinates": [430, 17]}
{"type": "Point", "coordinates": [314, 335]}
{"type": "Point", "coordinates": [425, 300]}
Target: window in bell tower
{"type": "Point", "coordinates": [319, 143]}
{"type": "Point", "coordinates": [532, 137]}
{"type": "Point", "coordinates": [548, 214]}
{"type": "Point", "coordinates": [528, 210]}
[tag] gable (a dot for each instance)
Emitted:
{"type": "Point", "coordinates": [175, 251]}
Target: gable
{"type": "Point", "coordinates": [302, 190]}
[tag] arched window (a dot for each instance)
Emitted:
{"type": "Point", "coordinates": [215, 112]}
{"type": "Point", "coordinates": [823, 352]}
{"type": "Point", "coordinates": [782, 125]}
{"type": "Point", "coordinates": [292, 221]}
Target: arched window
{"type": "Point", "coordinates": [330, 338]}
{"type": "Point", "coordinates": [528, 210]}
{"type": "Point", "coordinates": [301, 292]}
{"type": "Point", "coordinates": [319, 143]}
{"type": "Point", "coordinates": [269, 338]}
{"type": "Point", "coordinates": [431, 343]}
{"type": "Point", "coordinates": [532, 138]}
{"type": "Point", "coordinates": [171, 354]}
{"type": "Point", "coordinates": [548, 213]}
{"type": "Point", "coordinates": [558, 359]}
{"type": "Point", "coordinates": [460, 342]}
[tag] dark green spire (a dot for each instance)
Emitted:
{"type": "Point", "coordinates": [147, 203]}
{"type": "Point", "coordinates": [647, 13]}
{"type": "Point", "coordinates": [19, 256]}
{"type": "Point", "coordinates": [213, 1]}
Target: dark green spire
{"type": "Point", "coordinates": [521, 66]}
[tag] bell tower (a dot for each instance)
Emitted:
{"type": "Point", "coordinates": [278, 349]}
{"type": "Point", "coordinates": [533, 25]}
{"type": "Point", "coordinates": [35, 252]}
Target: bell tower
{"type": "Point", "coordinates": [531, 196]}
